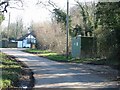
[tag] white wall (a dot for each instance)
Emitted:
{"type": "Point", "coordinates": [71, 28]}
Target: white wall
{"type": "Point", "coordinates": [19, 44]}
{"type": "Point", "coordinates": [31, 36]}
{"type": "Point", "coordinates": [25, 44]}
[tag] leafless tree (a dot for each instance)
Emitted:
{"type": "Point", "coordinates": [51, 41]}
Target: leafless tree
{"type": "Point", "coordinates": [16, 29]}
{"type": "Point", "coordinates": [50, 36]}
{"type": "Point", "coordinates": [48, 4]}
{"type": "Point", "coordinates": [4, 4]}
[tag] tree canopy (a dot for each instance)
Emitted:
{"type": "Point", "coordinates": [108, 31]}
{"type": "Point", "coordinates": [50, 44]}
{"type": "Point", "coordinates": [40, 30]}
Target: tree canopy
{"type": "Point", "coordinates": [108, 21]}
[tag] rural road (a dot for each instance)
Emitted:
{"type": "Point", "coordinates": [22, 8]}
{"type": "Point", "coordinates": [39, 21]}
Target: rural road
{"type": "Point", "coordinates": [51, 74]}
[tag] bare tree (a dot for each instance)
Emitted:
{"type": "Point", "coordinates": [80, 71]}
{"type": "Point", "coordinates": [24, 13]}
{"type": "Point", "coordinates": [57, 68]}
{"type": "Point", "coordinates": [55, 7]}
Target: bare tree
{"type": "Point", "coordinates": [16, 30]}
{"type": "Point", "coordinates": [50, 36]}
{"type": "Point", "coordinates": [49, 5]}
{"type": "Point", "coordinates": [4, 4]}
{"type": "Point", "coordinates": [83, 14]}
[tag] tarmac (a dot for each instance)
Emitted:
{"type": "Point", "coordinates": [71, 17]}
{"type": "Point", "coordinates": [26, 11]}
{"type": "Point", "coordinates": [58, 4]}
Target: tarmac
{"type": "Point", "coordinates": [52, 74]}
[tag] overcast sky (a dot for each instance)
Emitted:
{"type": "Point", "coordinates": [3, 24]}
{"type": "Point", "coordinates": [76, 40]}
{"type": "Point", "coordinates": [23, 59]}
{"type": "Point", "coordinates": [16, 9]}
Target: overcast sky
{"type": "Point", "coordinates": [35, 13]}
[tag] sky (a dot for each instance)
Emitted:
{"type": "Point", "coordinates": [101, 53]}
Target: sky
{"type": "Point", "coordinates": [35, 13]}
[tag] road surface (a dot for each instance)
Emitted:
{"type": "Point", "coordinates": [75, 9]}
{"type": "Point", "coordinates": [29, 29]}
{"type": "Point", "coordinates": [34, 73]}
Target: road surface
{"type": "Point", "coordinates": [51, 74]}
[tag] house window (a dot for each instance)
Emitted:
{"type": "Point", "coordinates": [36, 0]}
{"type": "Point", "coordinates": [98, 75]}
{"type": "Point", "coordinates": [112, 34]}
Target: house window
{"type": "Point", "coordinates": [30, 40]}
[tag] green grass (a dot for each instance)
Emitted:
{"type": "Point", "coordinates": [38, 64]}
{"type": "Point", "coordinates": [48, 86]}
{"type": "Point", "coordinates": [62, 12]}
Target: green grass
{"type": "Point", "coordinates": [50, 55]}
{"type": "Point", "coordinates": [62, 58]}
{"type": "Point", "coordinates": [36, 51]}
{"type": "Point", "coordinates": [58, 57]}
{"type": "Point", "coordinates": [10, 71]}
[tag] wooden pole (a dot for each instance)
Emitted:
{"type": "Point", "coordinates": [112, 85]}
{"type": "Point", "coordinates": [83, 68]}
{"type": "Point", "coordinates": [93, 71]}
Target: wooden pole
{"type": "Point", "coordinates": [67, 29]}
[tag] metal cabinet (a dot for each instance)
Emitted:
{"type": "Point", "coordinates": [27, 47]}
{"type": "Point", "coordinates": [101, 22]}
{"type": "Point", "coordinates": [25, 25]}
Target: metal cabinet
{"type": "Point", "coordinates": [76, 46]}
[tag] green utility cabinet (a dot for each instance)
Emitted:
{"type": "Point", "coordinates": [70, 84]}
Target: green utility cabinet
{"type": "Point", "coordinates": [76, 46]}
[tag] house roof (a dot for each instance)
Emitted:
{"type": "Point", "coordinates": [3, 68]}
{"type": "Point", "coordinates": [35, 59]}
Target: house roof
{"type": "Point", "coordinates": [23, 37]}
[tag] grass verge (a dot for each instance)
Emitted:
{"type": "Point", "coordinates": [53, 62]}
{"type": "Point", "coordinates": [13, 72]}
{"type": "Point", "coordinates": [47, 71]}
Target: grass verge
{"type": "Point", "coordinates": [10, 72]}
{"type": "Point", "coordinates": [49, 54]}
{"type": "Point", "coordinates": [59, 57]}
{"type": "Point", "coordinates": [62, 58]}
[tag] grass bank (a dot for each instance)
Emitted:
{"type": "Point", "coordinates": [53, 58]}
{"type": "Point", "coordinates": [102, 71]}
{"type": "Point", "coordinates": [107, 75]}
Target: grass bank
{"type": "Point", "coordinates": [10, 72]}
{"type": "Point", "coordinates": [62, 58]}
{"type": "Point", "coordinates": [49, 54]}
{"type": "Point", "coordinates": [58, 57]}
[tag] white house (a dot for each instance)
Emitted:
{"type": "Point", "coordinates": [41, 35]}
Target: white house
{"type": "Point", "coordinates": [26, 41]}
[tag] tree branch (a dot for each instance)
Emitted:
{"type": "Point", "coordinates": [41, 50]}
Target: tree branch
{"type": "Point", "coordinates": [48, 4]}
{"type": "Point", "coordinates": [4, 4]}
{"type": "Point", "coordinates": [52, 4]}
